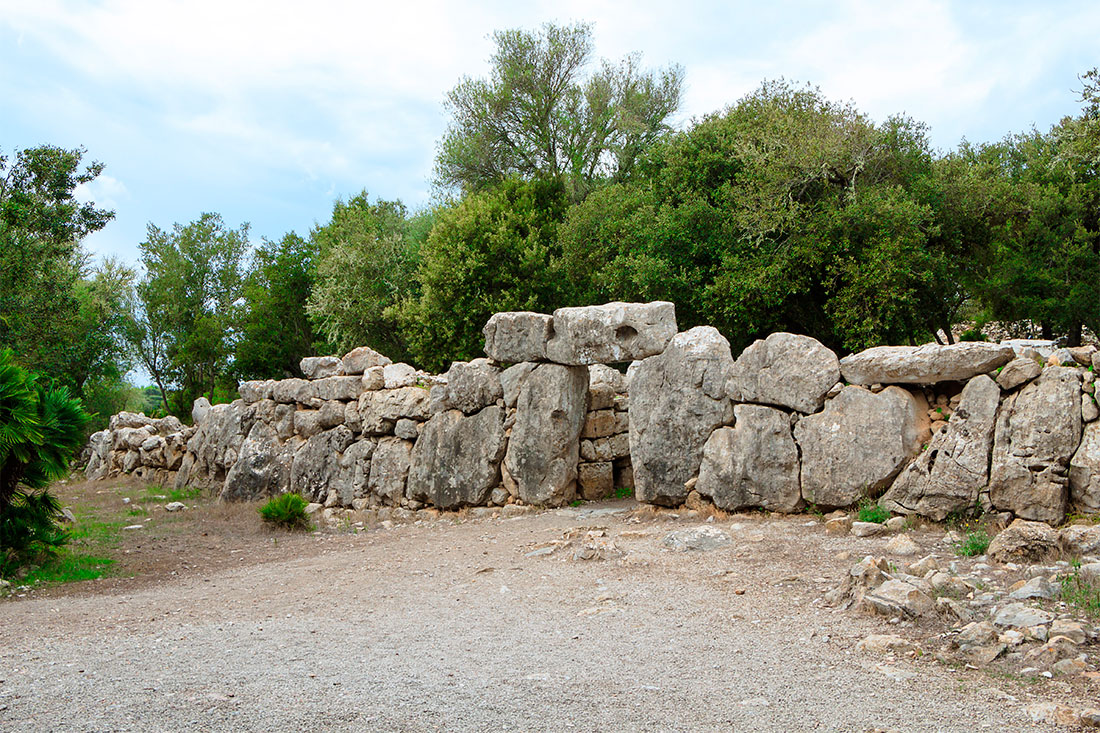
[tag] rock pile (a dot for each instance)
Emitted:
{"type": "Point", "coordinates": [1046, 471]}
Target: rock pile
{"type": "Point", "coordinates": [929, 430]}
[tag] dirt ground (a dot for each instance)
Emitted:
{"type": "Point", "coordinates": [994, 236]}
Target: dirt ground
{"type": "Point", "coordinates": [212, 622]}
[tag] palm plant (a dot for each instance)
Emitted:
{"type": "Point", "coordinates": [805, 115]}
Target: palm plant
{"type": "Point", "coordinates": [40, 429]}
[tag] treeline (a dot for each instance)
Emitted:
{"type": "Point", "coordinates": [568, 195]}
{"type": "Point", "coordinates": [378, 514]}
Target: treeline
{"type": "Point", "coordinates": [564, 186]}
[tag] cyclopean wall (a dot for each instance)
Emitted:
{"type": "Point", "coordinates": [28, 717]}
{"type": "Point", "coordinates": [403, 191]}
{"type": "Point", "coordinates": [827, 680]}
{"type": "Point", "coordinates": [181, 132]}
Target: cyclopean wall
{"type": "Point", "coordinates": [926, 430]}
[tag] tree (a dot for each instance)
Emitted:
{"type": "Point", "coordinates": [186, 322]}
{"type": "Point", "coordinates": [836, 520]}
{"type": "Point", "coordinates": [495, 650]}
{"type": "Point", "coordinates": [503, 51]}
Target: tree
{"type": "Point", "coordinates": [43, 270]}
{"type": "Point", "coordinates": [492, 252]}
{"type": "Point", "coordinates": [786, 212]}
{"type": "Point", "coordinates": [1045, 243]}
{"type": "Point", "coordinates": [40, 429]}
{"type": "Point", "coordinates": [536, 115]}
{"type": "Point", "coordinates": [367, 256]}
{"type": "Point", "coordinates": [182, 323]}
{"type": "Point", "coordinates": [276, 331]}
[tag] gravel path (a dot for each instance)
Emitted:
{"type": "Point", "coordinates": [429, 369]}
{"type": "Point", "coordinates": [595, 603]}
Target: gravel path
{"type": "Point", "coordinates": [453, 627]}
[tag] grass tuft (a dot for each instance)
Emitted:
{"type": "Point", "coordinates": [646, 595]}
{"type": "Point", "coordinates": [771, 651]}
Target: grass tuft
{"type": "Point", "coordinates": [287, 511]}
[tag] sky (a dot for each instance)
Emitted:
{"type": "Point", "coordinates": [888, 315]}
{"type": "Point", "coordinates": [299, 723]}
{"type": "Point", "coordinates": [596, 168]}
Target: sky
{"type": "Point", "coordinates": [267, 112]}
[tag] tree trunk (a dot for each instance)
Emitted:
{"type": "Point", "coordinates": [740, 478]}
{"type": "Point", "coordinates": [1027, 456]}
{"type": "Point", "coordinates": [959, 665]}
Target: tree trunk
{"type": "Point", "coordinates": [1073, 338]}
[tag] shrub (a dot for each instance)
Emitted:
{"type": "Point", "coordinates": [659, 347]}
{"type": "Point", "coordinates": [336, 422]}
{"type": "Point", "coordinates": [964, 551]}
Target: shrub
{"type": "Point", "coordinates": [869, 511]}
{"type": "Point", "coordinates": [1080, 592]}
{"type": "Point", "coordinates": [976, 543]}
{"type": "Point", "coordinates": [40, 429]}
{"type": "Point", "coordinates": [287, 511]}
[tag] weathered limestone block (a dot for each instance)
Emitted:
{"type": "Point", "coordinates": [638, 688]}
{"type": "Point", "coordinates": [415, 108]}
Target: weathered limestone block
{"type": "Point", "coordinates": [752, 464]}
{"type": "Point", "coordinates": [199, 410]}
{"type": "Point", "coordinates": [100, 448]}
{"type": "Point", "coordinates": [1084, 471]}
{"type": "Point", "coordinates": [355, 466]}
{"type": "Point", "coordinates": [604, 385]}
{"type": "Point", "coordinates": [677, 399]}
{"type": "Point", "coordinates": [374, 378]}
{"type": "Point", "coordinates": [1024, 541]}
{"type": "Point", "coordinates": [473, 385]}
{"type": "Point", "coordinates": [255, 390]}
{"type": "Point", "coordinates": [456, 460]}
{"type": "Point", "coordinates": [395, 376]}
{"type": "Point", "coordinates": [596, 480]}
{"type": "Point", "coordinates": [358, 361]}
{"type": "Point", "coordinates": [1018, 371]}
{"type": "Point", "coordinates": [406, 428]}
{"type": "Point", "coordinates": [284, 420]}
{"type": "Point", "coordinates": [215, 445]}
{"type": "Point", "coordinates": [338, 388]}
{"type": "Point", "coordinates": [540, 466]}
{"type": "Point", "coordinates": [614, 332]}
{"type": "Point", "coordinates": [858, 444]}
{"type": "Point", "coordinates": [925, 364]}
{"type": "Point", "coordinates": [290, 391]}
{"type": "Point", "coordinates": [784, 369]}
{"type": "Point", "coordinates": [511, 379]}
{"type": "Point", "coordinates": [131, 420]}
{"type": "Point", "coordinates": [262, 467]}
{"type": "Point", "coordinates": [389, 469]}
{"type": "Point", "coordinates": [319, 367]}
{"type": "Point", "coordinates": [1038, 431]}
{"type": "Point", "coordinates": [600, 424]}
{"type": "Point", "coordinates": [517, 336]}
{"type": "Point", "coordinates": [317, 463]}
{"type": "Point", "coordinates": [307, 423]}
{"type": "Point", "coordinates": [393, 404]}
{"type": "Point", "coordinates": [949, 474]}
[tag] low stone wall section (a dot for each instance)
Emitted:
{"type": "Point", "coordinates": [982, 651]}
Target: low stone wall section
{"type": "Point", "coordinates": [787, 425]}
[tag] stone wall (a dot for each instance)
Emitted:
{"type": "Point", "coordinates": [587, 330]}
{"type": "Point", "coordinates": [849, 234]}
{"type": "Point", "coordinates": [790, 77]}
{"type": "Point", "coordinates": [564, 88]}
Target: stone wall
{"type": "Point", "coordinates": [543, 420]}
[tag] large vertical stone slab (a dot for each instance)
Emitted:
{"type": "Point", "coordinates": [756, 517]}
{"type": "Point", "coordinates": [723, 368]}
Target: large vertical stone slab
{"type": "Point", "coordinates": [677, 399]}
{"type": "Point", "coordinates": [752, 464]}
{"type": "Point", "coordinates": [951, 472]}
{"type": "Point", "coordinates": [1084, 471]}
{"type": "Point", "coordinates": [614, 332]}
{"type": "Point", "coordinates": [456, 459]}
{"type": "Point", "coordinates": [540, 466]}
{"type": "Point", "coordinates": [389, 469]}
{"type": "Point", "coordinates": [262, 468]}
{"type": "Point", "coordinates": [1038, 431]}
{"type": "Point", "coordinates": [858, 444]}
{"type": "Point", "coordinates": [317, 463]}
{"type": "Point", "coordinates": [785, 369]}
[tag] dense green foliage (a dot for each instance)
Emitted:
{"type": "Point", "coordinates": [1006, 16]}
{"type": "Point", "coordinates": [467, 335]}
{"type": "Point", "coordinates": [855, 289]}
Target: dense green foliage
{"type": "Point", "coordinates": [275, 331]}
{"type": "Point", "coordinates": [492, 252]}
{"type": "Point", "coordinates": [40, 429]}
{"type": "Point", "coordinates": [564, 184]}
{"type": "Point", "coordinates": [182, 322]}
{"type": "Point", "coordinates": [535, 115]}
{"type": "Point", "coordinates": [57, 312]}
{"type": "Point", "coordinates": [366, 264]}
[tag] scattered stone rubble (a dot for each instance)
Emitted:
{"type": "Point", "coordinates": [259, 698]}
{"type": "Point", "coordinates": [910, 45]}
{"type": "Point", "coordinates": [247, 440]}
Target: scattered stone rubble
{"type": "Point", "coordinates": [1003, 611]}
{"type": "Point", "coordinates": [545, 419]}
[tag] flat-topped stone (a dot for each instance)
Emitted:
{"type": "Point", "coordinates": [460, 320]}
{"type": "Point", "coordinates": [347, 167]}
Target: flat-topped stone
{"type": "Point", "coordinates": [319, 367]}
{"type": "Point", "coordinates": [614, 332]}
{"type": "Point", "coordinates": [925, 364]}
{"type": "Point", "coordinates": [517, 336]}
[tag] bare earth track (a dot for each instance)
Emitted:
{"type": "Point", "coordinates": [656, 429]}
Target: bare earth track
{"type": "Point", "coordinates": [453, 625]}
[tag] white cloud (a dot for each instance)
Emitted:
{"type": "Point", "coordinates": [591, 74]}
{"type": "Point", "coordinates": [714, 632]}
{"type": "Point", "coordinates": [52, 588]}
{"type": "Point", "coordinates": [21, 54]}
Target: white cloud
{"type": "Point", "coordinates": [104, 191]}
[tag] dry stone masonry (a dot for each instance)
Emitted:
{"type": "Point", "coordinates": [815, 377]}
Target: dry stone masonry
{"type": "Point", "coordinates": [584, 401]}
